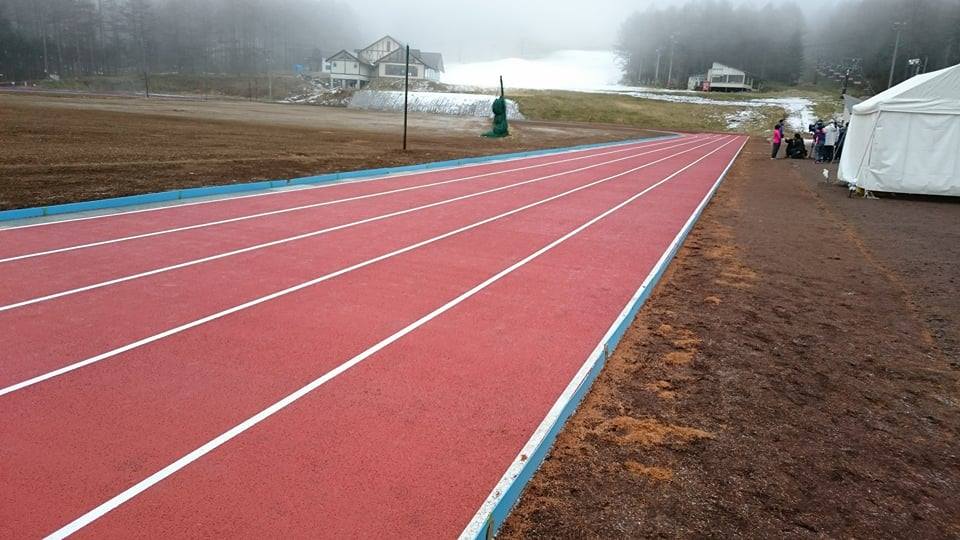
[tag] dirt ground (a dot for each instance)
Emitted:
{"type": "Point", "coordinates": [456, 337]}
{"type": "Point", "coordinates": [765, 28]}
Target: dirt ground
{"type": "Point", "coordinates": [795, 375]}
{"type": "Point", "coordinates": [59, 149]}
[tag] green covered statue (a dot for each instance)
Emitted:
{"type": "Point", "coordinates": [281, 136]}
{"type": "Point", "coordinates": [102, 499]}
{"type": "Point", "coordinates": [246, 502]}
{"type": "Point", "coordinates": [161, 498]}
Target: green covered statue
{"type": "Point", "coordinates": [500, 128]}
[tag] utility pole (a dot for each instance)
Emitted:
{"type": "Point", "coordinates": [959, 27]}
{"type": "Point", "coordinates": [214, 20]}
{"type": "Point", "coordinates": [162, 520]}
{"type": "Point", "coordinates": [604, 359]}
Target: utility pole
{"type": "Point", "coordinates": [898, 26]}
{"type": "Point", "coordinates": [269, 79]}
{"type": "Point", "coordinates": [673, 42]}
{"type": "Point", "coordinates": [406, 95]}
{"type": "Point", "coordinates": [656, 73]}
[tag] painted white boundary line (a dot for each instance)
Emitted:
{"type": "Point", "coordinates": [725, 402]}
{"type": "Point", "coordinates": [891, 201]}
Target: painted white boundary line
{"type": "Point", "coordinates": [193, 324]}
{"type": "Point", "coordinates": [223, 438]}
{"type": "Point", "coordinates": [549, 427]}
{"type": "Point", "coordinates": [320, 232]}
{"type": "Point", "coordinates": [308, 187]}
{"type": "Point", "coordinates": [314, 205]}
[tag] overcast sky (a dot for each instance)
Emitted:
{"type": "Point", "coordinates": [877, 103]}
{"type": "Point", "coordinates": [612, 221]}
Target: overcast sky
{"type": "Point", "coordinates": [475, 30]}
{"type": "Point", "coordinates": [482, 30]}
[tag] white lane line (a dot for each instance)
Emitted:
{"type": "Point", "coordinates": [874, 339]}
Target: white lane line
{"type": "Point", "coordinates": [477, 526]}
{"type": "Point", "coordinates": [302, 207]}
{"type": "Point", "coordinates": [319, 232]}
{"type": "Point", "coordinates": [223, 438]}
{"type": "Point", "coordinates": [329, 185]}
{"type": "Point", "coordinates": [290, 290]}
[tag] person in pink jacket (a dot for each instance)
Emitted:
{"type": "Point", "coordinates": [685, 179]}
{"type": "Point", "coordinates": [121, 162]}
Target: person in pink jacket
{"type": "Point", "coordinates": [777, 139]}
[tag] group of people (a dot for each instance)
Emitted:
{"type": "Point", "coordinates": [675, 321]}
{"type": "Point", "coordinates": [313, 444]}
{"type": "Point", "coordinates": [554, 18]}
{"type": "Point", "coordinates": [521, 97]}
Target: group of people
{"type": "Point", "coordinates": [827, 141]}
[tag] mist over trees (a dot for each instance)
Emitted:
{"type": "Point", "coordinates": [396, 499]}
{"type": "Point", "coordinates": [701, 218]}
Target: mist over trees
{"type": "Point", "coordinates": [782, 41]}
{"type": "Point", "coordinates": [106, 37]}
{"type": "Point", "coordinates": [779, 41]}
{"type": "Point", "coordinates": [761, 41]}
{"type": "Point", "coordinates": [860, 34]}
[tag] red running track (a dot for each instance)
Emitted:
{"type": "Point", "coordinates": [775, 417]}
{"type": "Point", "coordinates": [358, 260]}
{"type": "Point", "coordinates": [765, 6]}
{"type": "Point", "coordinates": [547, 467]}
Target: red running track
{"type": "Point", "coordinates": [380, 378]}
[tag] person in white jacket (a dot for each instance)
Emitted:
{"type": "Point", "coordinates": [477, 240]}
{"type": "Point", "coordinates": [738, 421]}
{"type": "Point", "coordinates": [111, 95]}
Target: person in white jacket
{"type": "Point", "coordinates": [831, 135]}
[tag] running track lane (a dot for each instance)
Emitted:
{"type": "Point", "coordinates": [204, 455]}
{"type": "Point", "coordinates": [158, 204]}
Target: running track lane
{"type": "Point", "coordinates": [410, 441]}
{"type": "Point", "coordinates": [50, 274]}
{"type": "Point", "coordinates": [48, 335]}
{"type": "Point", "coordinates": [22, 240]}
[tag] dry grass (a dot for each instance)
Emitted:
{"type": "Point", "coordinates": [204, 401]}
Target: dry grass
{"type": "Point", "coordinates": [241, 86]}
{"type": "Point", "coordinates": [628, 110]}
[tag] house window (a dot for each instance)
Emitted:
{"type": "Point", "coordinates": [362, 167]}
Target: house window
{"type": "Point", "coordinates": [396, 70]}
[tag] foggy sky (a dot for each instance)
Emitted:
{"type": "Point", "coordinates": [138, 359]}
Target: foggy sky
{"type": "Point", "coordinates": [474, 30]}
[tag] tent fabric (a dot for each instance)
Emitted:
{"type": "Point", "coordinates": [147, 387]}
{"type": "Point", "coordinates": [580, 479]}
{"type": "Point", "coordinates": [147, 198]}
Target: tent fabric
{"type": "Point", "coordinates": [906, 139]}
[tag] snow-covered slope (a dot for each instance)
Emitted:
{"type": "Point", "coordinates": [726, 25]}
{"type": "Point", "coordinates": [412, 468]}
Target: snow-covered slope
{"type": "Point", "coordinates": [562, 70]}
{"type": "Point", "coordinates": [599, 71]}
{"type": "Point", "coordinates": [431, 102]}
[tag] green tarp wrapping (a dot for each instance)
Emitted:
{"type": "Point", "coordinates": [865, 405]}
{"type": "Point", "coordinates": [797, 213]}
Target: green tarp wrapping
{"type": "Point", "coordinates": [500, 128]}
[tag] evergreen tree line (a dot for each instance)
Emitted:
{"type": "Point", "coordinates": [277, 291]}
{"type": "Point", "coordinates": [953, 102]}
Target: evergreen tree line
{"type": "Point", "coordinates": [72, 38]}
{"type": "Point", "coordinates": [784, 41]}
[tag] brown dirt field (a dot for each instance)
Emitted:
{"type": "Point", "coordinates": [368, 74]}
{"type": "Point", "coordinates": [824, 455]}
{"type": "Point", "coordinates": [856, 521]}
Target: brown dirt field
{"type": "Point", "coordinates": [796, 374]}
{"type": "Point", "coordinates": [59, 149]}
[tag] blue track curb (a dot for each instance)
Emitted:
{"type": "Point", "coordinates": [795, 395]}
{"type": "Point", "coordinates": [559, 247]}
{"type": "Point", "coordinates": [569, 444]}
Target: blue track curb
{"type": "Point", "coordinates": [166, 196]}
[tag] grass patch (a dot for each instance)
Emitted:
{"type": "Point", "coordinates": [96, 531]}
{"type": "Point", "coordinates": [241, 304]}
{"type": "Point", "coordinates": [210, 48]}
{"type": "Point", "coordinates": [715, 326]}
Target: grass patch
{"type": "Point", "coordinates": [617, 109]}
{"type": "Point", "coordinates": [643, 113]}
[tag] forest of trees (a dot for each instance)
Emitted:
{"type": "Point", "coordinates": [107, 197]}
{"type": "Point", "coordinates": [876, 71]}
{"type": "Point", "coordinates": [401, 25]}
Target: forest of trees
{"type": "Point", "coordinates": [781, 41]}
{"type": "Point", "coordinates": [860, 35]}
{"type": "Point", "coordinates": [775, 41]}
{"type": "Point", "coordinates": [665, 46]}
{"type": "Point", "coordinates": [90, 37]}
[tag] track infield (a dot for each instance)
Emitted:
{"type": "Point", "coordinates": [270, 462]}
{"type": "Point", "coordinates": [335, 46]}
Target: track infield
{"type": "Point", "coordinates": [389, 356]}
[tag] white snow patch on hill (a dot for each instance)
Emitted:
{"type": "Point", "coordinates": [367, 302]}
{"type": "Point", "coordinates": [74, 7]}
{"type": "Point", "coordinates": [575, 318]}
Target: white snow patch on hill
{"type": "Point", "coordinates": [562, 70]}
{"type": "Point", "coordinates": [431, 102]}
{"type": "Point", "coordinates": [599, 71]}
{"type": "Point", "coordinates": [799, 110]}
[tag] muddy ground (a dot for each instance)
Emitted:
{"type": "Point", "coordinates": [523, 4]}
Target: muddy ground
{"type": "Point", "coordinates": [796, 374]}
{"type": "Point", "coordinates": [59, 149]}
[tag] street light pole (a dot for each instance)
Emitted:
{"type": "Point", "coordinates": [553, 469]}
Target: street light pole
{"type": "Point", "coordinates": [656, 73]}
{"type": "Point", "coordinates": [406, 97]}
{"type": "Point", "coordinates": [673, 42]}
{"type": "Point", "coordinates": [898, 26]}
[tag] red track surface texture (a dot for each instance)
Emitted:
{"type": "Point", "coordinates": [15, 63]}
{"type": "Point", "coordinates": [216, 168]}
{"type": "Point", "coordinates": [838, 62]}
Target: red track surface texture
{"type": "Point", "coordinates": [370, 362]}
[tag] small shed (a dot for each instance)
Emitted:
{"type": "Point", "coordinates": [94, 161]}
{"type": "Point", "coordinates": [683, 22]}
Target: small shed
{"type": "Point", "coordinates": [695, 82]}
{"type": "Point", "coordinates": [723, 78]}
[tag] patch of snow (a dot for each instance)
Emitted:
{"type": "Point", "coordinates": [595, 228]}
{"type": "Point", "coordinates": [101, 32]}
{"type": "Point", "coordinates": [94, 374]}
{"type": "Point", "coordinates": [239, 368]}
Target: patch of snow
{"type": "Point", "coordinates": [599, 71]}
{"type": "Point", "coordinates": [799, 110]}
{"type": "Point", "coordinates": [741, 118]}
{"type": "Point", "coordinates": [329, 98]}
{"type": "Point", "coordinates": [432, 102]}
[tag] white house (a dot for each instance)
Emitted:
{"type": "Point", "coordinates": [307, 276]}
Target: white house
{"type": "Point", "coordinates": [379, 48]}
{"type": "Point", "coordinates": [422, 65]}
{"type": "Point", "coordinates": [384, 58]}
{"type": "Point", "coordinates": [722, 78]}
{"type": "Point", "coordinates": [347, 70]}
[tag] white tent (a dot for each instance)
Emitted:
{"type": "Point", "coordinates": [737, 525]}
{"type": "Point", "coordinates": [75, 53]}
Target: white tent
{"type": "Point", "coordinates": [907, 138]}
